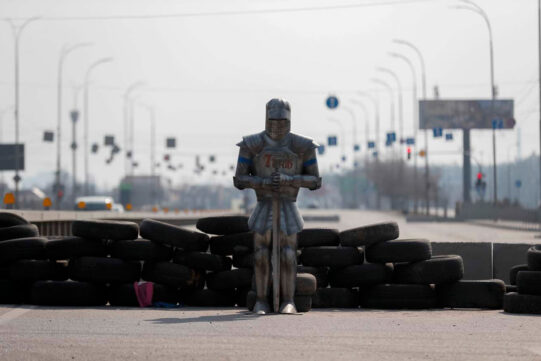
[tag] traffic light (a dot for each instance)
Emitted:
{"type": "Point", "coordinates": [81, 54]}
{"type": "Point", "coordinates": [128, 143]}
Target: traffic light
{"type": "Point", "coordinates": [479, 176]}
{"type": "Point", "coordinates": [409, 152]}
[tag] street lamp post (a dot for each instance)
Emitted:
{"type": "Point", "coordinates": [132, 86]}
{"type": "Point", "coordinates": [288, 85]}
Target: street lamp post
{"type": "Point", "coordinates": [400, 107]}
{"type": "Point", "coordinates": [391, 97]}
{"type": "Point", "coordinates": [128, 120]}
{"type": "Point", "coordinates": [354, 129]}
{"type": "Point", "coordinates": [415, 123]}
{"type": "Point", "coordinates": [423, 82]}
{"type": "Point", "coordinates": [2, 113]}
{"type": "Point", "coordinates": [366, 123]}
{"type": "Point", "coordinates": [66, 50]}
{"type": "Point", "coordinates": [473, 7]}
{"type": "Point", "coordinates": [86, 118]}
{"type": "Point", "coordinates": [17, 30]}
{"type": "Point", "coordinates": [343, 134]}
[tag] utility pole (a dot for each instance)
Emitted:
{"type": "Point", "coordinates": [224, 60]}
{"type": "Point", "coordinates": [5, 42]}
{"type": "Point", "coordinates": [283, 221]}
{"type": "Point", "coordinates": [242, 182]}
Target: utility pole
{"type": "Point", "coordinates": [539, 63]}
{"type": "Point", "coordinates": [17, 30]}
{"type": "Point", "coordinates": [86, 118]}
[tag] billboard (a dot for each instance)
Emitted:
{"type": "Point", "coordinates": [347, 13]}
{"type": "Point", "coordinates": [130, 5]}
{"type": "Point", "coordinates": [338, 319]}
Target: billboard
{"type": "Point", "coordinates": [7, 156]}
{"type": "Point", "coordinates": [466, 114]}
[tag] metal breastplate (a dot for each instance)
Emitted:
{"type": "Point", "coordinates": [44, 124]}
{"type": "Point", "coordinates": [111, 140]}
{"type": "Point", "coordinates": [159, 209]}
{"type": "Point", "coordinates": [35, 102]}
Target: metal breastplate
{"type": "Point", "coordinates": [277, 158]}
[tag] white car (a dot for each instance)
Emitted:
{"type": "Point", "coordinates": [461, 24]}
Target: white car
{"type": "Point", "coordinates": [97, 203]}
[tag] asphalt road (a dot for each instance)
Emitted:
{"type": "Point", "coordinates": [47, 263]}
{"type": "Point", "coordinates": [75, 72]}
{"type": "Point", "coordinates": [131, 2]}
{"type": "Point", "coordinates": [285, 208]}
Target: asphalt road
{"type": "Point", "coordinates": [434, 231]}
{"type": "Point", "coordinates": [232, 334]}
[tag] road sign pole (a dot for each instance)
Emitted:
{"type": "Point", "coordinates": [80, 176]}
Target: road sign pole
{"type": "Point", "coordinates": [466, 166]}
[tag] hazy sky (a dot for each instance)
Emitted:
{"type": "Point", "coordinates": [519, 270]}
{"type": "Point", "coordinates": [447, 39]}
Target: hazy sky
{"type": "Point", "coordinates": [209, 76]}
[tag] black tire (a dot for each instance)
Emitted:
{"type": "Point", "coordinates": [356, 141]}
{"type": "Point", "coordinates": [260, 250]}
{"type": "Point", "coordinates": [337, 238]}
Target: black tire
{"type": "Point", "coordinates": [514, 271]}
{"type": "Point", "coordinates": [471, 294]}
{"type": "Point", "coordinates": [59, 293]}
{"type": "Point", "coordinates": [511, 288]}
{"type": "Point", "coordinates": [335, 298]}
{"type": "Point", "coordinates": [8, 219]}
{"type": "Point", "coordinates": [517, 303]}
{"type": "Point", "coordinates": [332, 256]}
{"type": "Point", "coordinates": [361, 275]}
{"type": "Point", "coordinates": [369, 235]}
{"type": "Point", "coordinates": [321, 274]}
{"type": "Point", "coordinates": [243, 258]}
{"type": "Point", "coordinates": [302, 303]}
{"type": "Point", "coordinates": [105, 230]}
{"type": "Point", "coordinates": [68, 247]}
{"type": "Point", "coordinates": [172, 274]}
{"type": "Point", "coordinates": [14, 293]}
{"type": "Point", "coordinates": [202, 261]}
{"type": "Point", "coordinates": [240, 296]}
{"type": "Point", "coordinates": [140, 250]}
{"type": "Point", "coordinates": [305, 284]}
{"type": "Point", "coordinates": [4, 272]}
{"type": "Point", "coordinates": [399, 250]}
{"type": "Point", "coordinates": [38, 270]}
{"type": "Point", "coordinates": [529, 282]}
{"type": "Point", "coordinates": [19, 231]}
{"type": "Point", "coordinates": [171, 235]}
{"type": "Point", "coordinates": [438, 269]}
{"type": "Point", "coordinates": [534, 258]}
{"type": "Point", "coordinates": [225, 245]}
{"type": "Point", "coordinates": [223, 225]}
{"type": "Point", "coordinates": [22, 248]}
{"type": "Point", "coordinates": [236, 278]}
{"type": "Point", "coordinates": [395, 296]}
{"type": "Point", "coordinates": [209, 298]}
{"type": "Point", "coordinates": [123, 295]}
{"type": "Point", "coordinates": [317, 237]}
{"type": "Point", "coordinates": [104, 270]}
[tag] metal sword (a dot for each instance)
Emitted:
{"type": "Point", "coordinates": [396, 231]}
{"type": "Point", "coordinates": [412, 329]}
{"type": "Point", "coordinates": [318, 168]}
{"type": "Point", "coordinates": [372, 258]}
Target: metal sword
{"type": "Point", "coordinates": [276, 249]}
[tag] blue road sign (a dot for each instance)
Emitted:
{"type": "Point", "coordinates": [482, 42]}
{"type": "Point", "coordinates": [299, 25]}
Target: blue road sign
{"type": "Point", "coordinates": [375, 154]}
{"type": "Point", "coordinates": [410, 141]}
{"type": "Point", "coordinates": [518, 183]}
{"type": "Point", "coordinates": [371, 145]}
{"type": "Point", "coordinates": [388, 143]}
{"type": "Point", "coordinates": [391, 137]}
{"type": "Point", "coordinates": [332, 102]}
{"type": "Point", "coordinates": [497, 123]}
{"type": "Point", "coordinates": [321, 150]}
{"type": "Point", "coordinates": [438, 132]}
{"type": "Point", "coordinates": [449, 136]}
{"type": "Point", "coordinates": [344, 158]}
{"type": "Point", "coordinates": [356, 148]}
{"type": "Point", "coordinates": [332, 141]}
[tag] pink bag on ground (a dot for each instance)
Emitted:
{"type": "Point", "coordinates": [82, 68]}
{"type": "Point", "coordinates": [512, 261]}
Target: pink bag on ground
{"type": "Point", "coordinates": [144, 292]}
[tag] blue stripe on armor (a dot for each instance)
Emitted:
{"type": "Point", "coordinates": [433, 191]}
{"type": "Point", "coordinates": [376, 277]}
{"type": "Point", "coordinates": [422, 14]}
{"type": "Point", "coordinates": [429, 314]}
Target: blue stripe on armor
{"type": "Point", "coordinates": [310, 162]}
{"type": "Point", "coordinates": [245, 160]}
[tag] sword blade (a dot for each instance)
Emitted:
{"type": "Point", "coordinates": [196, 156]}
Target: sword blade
{"type": "Point", "coordinates": [276, 251]}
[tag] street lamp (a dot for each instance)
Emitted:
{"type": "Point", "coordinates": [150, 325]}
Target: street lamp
{"type": "Point", "coordinates": [391, 96]}
{"type": "Point", "coordinates": [128, 126]}
{"type": "Point", "coordinates": [473, 7]}
{"type": "Point", "coordinates": [400, 108]}
{"type": "Point", "coordinates": [343, 134]}
{"type": "Point", "coordinates": [66, 50]}
{"type": "Point", "coordinates": [367, 121]}
{"type": "Point", "coordinates": [375, 102]}
{"type": "Point", "coordinates": [354, 128]}
{"type": "Point", "coordinates": [415, 120]}
{"type": "Point", "coordinates": [17, 30]}
{"type": "Point", "coordinates": [2, 113]}
{"type": "Point", "coordinates": [85, 114]}
{"type": "Point", "coordinates": [423, 82]}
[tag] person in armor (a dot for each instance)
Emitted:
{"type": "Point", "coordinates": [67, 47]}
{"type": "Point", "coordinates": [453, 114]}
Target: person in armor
{"type": "Point", "coordinates": [276, 163]}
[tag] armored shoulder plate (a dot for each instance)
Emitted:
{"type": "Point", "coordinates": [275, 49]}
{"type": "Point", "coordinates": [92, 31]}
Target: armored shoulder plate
{"type": "Point", "coordinates": [254, 142]}
{"type": "Point", "coordinates": [301, 144]}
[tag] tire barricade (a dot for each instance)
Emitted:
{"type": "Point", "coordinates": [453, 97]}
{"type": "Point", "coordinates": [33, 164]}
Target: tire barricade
{"type": "Point", "coordinates": [163, 265]}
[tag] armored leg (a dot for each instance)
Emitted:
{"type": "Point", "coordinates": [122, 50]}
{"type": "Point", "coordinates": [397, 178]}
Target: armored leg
{"type": "Point", "coordinates": [288, 272]}
{"type": "Point", "coordinates": [262, 271]}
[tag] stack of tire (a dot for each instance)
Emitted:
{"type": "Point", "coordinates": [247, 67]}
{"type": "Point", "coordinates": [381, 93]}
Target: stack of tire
{"type": "Point", "coordinates": [227, 266]}
{"type": "Point", "coordinates": [527, 278]}
{"type": "Point", "coordinates": [21, 249]}
{"type": "Point", "coordinates": [322, 256]}
{"type": "Point", "coordinates": [403, 274]}
{"type": "Point", "coordinates": [104, 261]}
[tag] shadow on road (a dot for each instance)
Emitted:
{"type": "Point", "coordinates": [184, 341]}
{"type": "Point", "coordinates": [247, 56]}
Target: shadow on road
{"type": "Point", "coordinates": [239, 316]}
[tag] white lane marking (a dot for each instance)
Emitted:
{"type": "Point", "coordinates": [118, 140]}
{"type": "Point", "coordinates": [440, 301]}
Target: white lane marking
{"type": "Point", "coordinates": [13, 314]}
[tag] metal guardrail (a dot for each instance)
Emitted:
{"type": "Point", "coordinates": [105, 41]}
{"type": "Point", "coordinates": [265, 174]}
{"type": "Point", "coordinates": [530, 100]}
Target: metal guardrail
{"type": "Point", "coordinates": [58, 223]}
